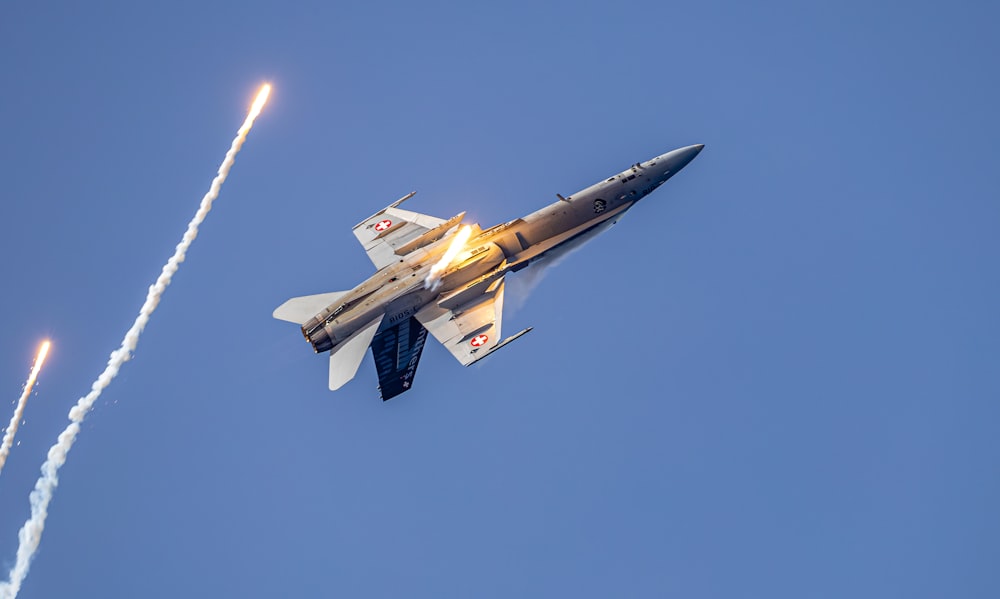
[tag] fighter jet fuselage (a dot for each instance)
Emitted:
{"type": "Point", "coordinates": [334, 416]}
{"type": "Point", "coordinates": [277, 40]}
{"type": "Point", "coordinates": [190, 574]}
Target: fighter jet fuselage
{"type": "Point", "coordinates": [459, 301]}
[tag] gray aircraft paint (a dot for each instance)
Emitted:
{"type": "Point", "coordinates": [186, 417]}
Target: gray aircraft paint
{"type": "Point", "coordinates": [464, 310]}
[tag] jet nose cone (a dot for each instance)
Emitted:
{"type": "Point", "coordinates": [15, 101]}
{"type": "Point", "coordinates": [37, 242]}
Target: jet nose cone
{"type": "Point", "coordinates": [687, 154]}
{"type": "Point", "coordinates": [673, 161]}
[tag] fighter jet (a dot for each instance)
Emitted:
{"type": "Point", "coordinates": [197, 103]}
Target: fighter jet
{"type": "Point", "coordinates": [447, 277]}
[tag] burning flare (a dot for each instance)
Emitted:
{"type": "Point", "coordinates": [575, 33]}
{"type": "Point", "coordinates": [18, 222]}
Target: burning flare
{"type": "Point", "coordinates": [258, 105]}
{"type": "Point", "coordinates": [31, 533]}
{"type": "Point", "coordinates": [15, 421]}
{"type": "Point", "coordinates": [456, 246]}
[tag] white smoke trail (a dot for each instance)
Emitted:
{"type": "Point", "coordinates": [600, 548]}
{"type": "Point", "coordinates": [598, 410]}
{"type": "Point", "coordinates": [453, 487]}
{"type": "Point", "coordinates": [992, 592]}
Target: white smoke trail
{"type": "Point", "coordinates": [15, 421]}
{"type": "Point", "coordinates": [31, 533]}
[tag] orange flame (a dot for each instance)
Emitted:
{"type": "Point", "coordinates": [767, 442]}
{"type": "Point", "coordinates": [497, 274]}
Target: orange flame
{"type": "Point", "coordinates": [456, 246]}
{"type": "Point", "coordinates": [258, 103]}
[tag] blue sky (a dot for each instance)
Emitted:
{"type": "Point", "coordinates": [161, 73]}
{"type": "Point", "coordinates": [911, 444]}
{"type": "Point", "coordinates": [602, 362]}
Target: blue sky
{"type": "Point", "coordinates": [777, 377]}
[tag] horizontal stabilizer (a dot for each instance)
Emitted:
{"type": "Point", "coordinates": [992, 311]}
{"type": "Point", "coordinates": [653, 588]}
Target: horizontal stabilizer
{"type": "Point", "coordinates": [300, 309]}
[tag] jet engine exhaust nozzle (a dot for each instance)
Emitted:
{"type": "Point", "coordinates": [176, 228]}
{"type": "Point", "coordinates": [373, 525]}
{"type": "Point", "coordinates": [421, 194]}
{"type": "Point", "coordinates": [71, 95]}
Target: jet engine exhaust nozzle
{"type": "Point", "coordinates": [316, 334]}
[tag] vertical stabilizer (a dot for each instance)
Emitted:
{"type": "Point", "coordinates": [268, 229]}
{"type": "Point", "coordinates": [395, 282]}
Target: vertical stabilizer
{"type": "Point", "coordinates": [345, 357]}
{"type": "Point", "coordinates": [301, 309]}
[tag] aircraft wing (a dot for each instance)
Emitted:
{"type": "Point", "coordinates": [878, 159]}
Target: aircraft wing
{"type": "Point", "coordinates": [470, 331]}
{"type": "Point", "coordinates": [385, 231]}
{"type": "Point", "coordinates": [396, 350]}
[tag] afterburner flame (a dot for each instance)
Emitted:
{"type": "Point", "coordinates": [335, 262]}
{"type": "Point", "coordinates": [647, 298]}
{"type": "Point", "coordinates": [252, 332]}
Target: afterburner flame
{"type": "Point", "coordinates": [15, 421]}
{"type": "Point", "coordinates": [456, 246]}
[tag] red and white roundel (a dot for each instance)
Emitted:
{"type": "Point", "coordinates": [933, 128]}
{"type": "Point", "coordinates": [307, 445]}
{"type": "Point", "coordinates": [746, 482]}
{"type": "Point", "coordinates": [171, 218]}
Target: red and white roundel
{"type": "Point", "coordinates": [479, 341]}
{"type": "Point", "coordinates": [382, 225]}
